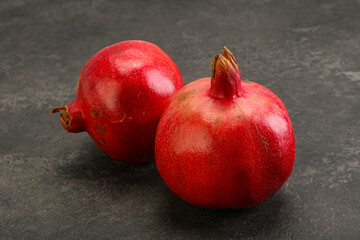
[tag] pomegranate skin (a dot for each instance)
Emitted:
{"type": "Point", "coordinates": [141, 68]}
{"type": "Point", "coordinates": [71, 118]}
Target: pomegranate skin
{"type": "Point", "coordinates": [121, 93]}
{"type": "Point", "coordinates": [234, 151]}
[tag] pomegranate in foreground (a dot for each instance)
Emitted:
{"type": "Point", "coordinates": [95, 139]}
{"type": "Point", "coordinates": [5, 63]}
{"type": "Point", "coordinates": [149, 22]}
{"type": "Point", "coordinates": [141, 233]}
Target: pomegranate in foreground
{"type": "Point", "coordinates": [121, 93]}
{"type": "Point", "coordinates": [223, 142]}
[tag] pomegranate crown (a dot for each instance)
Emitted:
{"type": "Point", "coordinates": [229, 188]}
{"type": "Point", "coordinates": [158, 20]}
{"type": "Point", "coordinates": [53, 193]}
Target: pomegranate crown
{"type": "Point", "coordinates": [225, 76]}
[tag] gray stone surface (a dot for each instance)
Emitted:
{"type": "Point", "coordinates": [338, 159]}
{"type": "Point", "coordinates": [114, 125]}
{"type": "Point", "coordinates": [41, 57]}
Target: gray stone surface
{"type": "Point", "coordinates": [55, 185]}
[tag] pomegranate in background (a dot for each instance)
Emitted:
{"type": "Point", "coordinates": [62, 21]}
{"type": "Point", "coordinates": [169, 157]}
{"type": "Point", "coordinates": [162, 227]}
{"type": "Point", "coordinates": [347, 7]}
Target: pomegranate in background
{"type": "Point", "coordinates": [121, 93]}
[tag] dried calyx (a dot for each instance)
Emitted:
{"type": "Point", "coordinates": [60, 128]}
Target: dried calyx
{"type": "Point", "coordinates": [225, 76]}
{"type": "Point", "coordinates": [64, 116]}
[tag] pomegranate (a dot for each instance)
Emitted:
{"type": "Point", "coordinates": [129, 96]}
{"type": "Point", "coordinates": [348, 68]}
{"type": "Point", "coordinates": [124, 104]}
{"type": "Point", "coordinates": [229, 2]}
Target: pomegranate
{"type": "Point", "coordinates": [121, 93]}
{"type": "Point", "coordinates": [223, 142]}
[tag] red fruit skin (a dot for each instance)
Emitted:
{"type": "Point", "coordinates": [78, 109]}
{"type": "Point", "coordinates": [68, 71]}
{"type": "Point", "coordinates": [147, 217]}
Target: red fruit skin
{"type": "Point", "coordinates": [121, 93]}
{"type": "Point", "coordinates": [225, 153]}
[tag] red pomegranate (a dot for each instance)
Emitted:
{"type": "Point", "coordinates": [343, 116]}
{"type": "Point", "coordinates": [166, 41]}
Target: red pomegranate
{"type": "Point", "coordinates": [121, 93]}
{"type": "Point", "coordinates": [223, 142]}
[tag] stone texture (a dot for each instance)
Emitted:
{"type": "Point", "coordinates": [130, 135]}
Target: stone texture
{"type": "Point", "coordinates": [55, 185]}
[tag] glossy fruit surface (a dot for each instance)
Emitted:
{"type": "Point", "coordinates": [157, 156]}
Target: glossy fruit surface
{"type": "Point", "coordinates": [223, 142]}
{"type": "Point", "coordinates": [121, 93]}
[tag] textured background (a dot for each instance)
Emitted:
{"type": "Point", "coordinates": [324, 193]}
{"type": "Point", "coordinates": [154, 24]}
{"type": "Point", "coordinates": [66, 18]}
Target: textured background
{"type": "Point", "coordinates": [57, 185]}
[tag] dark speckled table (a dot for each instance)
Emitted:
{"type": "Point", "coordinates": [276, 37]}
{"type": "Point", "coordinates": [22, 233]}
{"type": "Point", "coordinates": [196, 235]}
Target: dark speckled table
{"type": "Point", "coordinates": [55, 185]}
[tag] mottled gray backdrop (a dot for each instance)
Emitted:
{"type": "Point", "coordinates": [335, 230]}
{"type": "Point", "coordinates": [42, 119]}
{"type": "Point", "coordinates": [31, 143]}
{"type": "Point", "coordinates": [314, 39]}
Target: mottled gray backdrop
{"type": "Point", "coordinates": [55, 185]}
